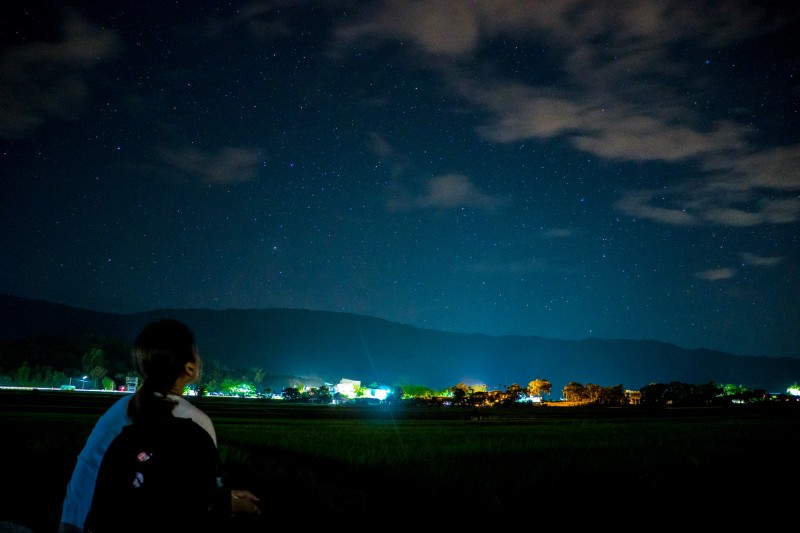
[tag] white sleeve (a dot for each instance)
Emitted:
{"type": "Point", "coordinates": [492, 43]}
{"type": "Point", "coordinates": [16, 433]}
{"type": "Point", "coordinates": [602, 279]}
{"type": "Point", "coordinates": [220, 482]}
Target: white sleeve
{"type": "Point", "coordinates": [185, 409]}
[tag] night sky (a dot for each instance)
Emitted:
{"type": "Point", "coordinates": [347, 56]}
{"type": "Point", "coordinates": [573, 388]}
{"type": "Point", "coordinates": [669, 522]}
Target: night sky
{"type": "Point", "coordinates": [566, 169]}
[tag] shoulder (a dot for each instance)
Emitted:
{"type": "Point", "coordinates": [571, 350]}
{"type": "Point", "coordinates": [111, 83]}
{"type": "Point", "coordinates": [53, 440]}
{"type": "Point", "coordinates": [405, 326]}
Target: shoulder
{"type": "Point", "coordinates": [113, 420]}
{"type": "Point", "coordinates": [118, 410]}
{"type": "Point", "coordinates": [185, 409]}
{"type": "Point", "coordinates": [108, 426]}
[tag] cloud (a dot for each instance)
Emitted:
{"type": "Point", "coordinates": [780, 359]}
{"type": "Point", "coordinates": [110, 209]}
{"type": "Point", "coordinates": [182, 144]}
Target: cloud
{"type": "Point", "coordinates": [754, 260]}
{"type": "Point", "coordinates": [766, 180]}
{"type": "Point", "coordinates": [636, 204]}
{"type": "Point", "coordinates": [776, 168]}
{"type": "Point", "coordinates": [445, 192]}
{"type": "Point", "coordinates": [450, 191]}
{"type": "Point", "coordinates": [228, 165]}
{"type": "Point", "coordinates": [438, 27]}
{"type": "Point", "coordinates": [511, 267]}
{"type": "Point", "coordinates": [258, 19]}
{"type": "Point", "coordinates": [49, 80]}
{"type": "Point", "coordinates": [608, 129]}
{"type": "Point", "coordinates": [613, 88]}
{"type": "Point", "coordinates": [378, 145]}
{"type": "Point", "coordinates": [716, 274]}
{"type": "Point", "coordinates": [696, 205]}
{"type": "Point", "coordinates": [558, 233]}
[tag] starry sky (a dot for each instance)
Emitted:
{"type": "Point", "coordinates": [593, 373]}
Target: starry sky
{"type": "Point", "coordinates": [565, 168]}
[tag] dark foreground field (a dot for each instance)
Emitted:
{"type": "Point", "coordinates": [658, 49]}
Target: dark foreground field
{"type": "Point", "coordinates": [624, 469]}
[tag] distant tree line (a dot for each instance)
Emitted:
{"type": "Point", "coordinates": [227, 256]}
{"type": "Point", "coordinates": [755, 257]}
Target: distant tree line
{"type": "Point", "coordinates": [51, 362]}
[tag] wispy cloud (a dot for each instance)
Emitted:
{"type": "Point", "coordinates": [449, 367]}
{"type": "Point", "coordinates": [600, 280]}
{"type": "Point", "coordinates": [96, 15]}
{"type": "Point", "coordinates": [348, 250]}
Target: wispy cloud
{"type": "Point", "coordinates": [257, 19]}
{"type": "Point", "coordinates": [755, 260]}
{"type": "Point", "coordinates": [450, 191]}
{"type": "Point", "coordinates": [716, 274]}
{"type": "Point", "coordinates": [618, 101]}
{"type": "Point", "coordinates": [228, 165]}
{"type": "Point", "coordinates": [637, 204]}
{"type": "Point", "coordinates": [510, 267]}
{"type": "Point", "coordinates": [49, 80]}
{"type": "Point", "coordinates": [697, 204]}
{"type": "Point", "coordinates": [436, 27]}
{"type": "Point", "coordinates": [444, 192]}
{"type": "Point", "coordinates": [558, 233]}
{"type": "Point", "coordinates": [728, 273]}
{"type": "Point", "coordinates": [378, 145]}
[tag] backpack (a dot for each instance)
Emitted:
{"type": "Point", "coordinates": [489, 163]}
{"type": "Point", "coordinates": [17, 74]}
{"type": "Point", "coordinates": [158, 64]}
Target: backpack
{"type": "Point", "coordinates": [156, 475]}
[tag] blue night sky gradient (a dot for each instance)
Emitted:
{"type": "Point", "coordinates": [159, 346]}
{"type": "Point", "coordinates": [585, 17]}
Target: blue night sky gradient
{"type": "Point", "coordinates": [566, 169]}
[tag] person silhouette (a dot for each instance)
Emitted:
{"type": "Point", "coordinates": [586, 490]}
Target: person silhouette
{"type": "Point", "coordinates": [156, 416]}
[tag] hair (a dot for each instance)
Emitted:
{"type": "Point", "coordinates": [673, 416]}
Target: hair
{"type": "Point", "coordinates": [160, 354]}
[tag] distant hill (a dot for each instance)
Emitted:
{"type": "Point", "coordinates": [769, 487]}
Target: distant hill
{"type": "Point", "coordinates": [331, 346]}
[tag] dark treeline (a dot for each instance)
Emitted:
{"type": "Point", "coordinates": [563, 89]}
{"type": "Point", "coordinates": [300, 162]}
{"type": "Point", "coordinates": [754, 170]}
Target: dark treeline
{"type": "Point", "coordinates": [52, 362]}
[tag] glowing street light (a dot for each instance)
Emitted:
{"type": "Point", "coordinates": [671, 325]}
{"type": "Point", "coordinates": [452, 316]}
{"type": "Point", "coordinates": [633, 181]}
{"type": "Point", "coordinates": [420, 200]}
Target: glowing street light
{"type": "Point", "coordinates": [83, 381]}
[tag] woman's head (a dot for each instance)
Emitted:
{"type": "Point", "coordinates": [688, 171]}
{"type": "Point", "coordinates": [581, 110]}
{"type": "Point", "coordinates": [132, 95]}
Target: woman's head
{"type": "Point", "coordinates": [165, 351]}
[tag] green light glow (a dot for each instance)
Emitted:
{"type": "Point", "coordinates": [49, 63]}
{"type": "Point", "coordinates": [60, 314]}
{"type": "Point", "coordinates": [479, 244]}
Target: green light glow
{"type": "Point", "coordinates": [242, 389]}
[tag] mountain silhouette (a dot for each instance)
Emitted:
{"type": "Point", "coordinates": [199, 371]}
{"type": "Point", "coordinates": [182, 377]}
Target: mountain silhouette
{"type": "Point", "coordinates": [329, 346]}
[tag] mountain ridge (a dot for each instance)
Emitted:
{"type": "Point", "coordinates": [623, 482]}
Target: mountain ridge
{"type": "Point", "coordinates": [331, 346]}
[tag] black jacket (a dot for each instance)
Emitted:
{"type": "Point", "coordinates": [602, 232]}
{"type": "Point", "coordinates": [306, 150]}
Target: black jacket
{"type": "Point", "coordinates": [159, 476]}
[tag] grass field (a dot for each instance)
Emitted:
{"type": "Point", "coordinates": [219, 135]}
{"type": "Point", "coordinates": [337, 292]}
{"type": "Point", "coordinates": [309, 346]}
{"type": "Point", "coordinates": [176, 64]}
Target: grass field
{"type": "Point", "coordinates": [623, 469]}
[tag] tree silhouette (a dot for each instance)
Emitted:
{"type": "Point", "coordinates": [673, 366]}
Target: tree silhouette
{"type": "Point", "coordinates": [539, 387]}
